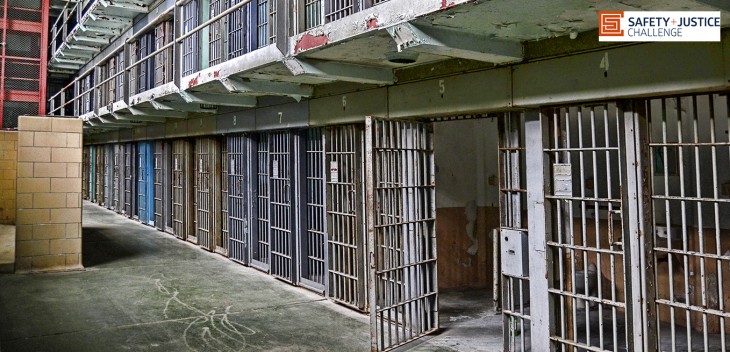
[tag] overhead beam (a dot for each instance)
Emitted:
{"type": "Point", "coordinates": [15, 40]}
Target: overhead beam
{"type": "Point", "coordinates": [74, 53]}
{"type": "Point", "coordinates": [144, 118]}
{"type": "Point", "coordinates": [81, 47]}
{"type": "Point", "coordinates": [115, 121]}
{"type": "Point", "coordinates": [451, 43]}
{"type": "Point", "coordinates": [71, 67]}
{"type": "Point", "coordinates": [112, 19]}
{"type": "Point", "coordinates": [180, 107]}
{"type": "Point", "coordinates": [341, 71]}
{"type": "Point", "coordinates": [86, 38]}
{"type": "Point", "coordinates": [69, 61]}
{"type": "Point", "coordinates": [126, 5]}
{"type": "Point", "coordinates": [103, 30]}
{"type": "Point", "coordinates": [238, 100]}
{"type": "Point", "coordinates": [262, 87]}
{"type": "Point", "coordinates": [141, 113]}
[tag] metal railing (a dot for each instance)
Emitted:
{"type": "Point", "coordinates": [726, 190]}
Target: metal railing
{"type": "Point", "coordinates": [238, 17]}
{"type": "Point", "coordinates": [61, 26]}
{"type": "Point", "coordinates": [319, 12]}
{"type": "Point", "coordinates": [172, 45]}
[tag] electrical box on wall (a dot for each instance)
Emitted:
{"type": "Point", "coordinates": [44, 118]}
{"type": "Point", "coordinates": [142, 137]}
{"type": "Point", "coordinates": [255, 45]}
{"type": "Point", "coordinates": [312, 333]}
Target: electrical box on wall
{"type": "Point", "coordinates": [514, 252]}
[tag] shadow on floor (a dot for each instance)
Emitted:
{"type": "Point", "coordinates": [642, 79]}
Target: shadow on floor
{"type": "Point", "coordinates": [99, 248]}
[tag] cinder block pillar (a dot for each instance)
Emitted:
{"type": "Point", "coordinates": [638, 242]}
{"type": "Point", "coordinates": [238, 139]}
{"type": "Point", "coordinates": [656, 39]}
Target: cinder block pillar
{"type": "Point", "coordinates": [48, 232]}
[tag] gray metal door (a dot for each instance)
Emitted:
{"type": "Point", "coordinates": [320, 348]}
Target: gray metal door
{"type": "Point", "coordinates": [282, 175]}
{"type": "Point", "coordinates": [221, 239]}
{"type": "Point", "coordinates": [117, 178]}
{"type": "Point", "coordinates": [109, 175]}
{"type": "Point", "coordinates": [181, 173]}
{"type": "Point", "coordinates": [85, 170]}
{"type": "Point", "coordinates": [241, 198]}
{"type": "Point", "coordinates": [345, 222]}
{"type": "Point", "coordinates": [261, 249]}
{"type": "Point", "coordinates": [130, 184]}
{"type": "Point", "coordinates": [100, 171]}
{"type": "Point", "coordinates": [401, 216]}
{"type": "Point", "coordinates": [513, 298]}
{"type": "Point", "coordinates": [313, 244]}
{"type": "Point", "coordinates": [160, 151]}
{"type": "Point", "coordinates": [207, 196]}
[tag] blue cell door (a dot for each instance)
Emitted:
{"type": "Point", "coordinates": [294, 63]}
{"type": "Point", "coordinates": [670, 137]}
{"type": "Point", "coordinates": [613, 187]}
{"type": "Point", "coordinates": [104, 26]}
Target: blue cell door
{"type": "Point", "coordinates": [92, 173]}
{"type": "Point", "coordinates": [145, 186]}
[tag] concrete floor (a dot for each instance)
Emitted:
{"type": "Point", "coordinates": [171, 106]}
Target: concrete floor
{"type": "Point", "coordinates": [7, 248]}
{"type": "Point", "coordinates": [143, 290]}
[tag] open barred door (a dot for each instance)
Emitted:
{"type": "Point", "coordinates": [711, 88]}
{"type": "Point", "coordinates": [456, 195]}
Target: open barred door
{"type": "Point", "coordinates": [401, 212]}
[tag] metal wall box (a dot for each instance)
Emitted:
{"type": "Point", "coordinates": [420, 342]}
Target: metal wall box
{"type": "Point", "coordinates": [514, 252]}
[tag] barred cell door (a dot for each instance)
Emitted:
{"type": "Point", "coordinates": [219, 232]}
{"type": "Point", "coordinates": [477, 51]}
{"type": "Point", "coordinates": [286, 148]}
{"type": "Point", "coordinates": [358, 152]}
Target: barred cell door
{"type": "Point", "coordinates": [181, 186]}
{"type": "Point", "coordinates": [313, 243]}
{"type": "Point", "coordinates": [689, 149]}
{"type": "Point", "coordinates": [160, 152]}
{"type": "Point", "coordinates": [130, 186]}
{"type": "Point", "coordinates": [588, 200]}
{"type": "Point", "coordinates": [85, 167]}
{"type": "Point", "coordinates": [241, 196]}
{"type": "Point", "coordinates": [221, 238]}
{"type": "Point", "coordinates": [261, 249]}
{"type": "Point", "coordinates": [207, 197]}
{"type": "Point", "coordinates": [109, 183]}
{"type": "Point", "coordinates": [144, 196]}
{"type": "Point", "coordinates": [99, 172]}
{"type": "Point", "coordinates": [117, 178]}
{"type": "Point", "coordinates": [401, 215]}
{"type": "Point", "coordinates": [282, 175]}
{"type": "Point", "coordinates": [345, 217]}
{"type": "Point", "coordinates": [92, 173]}
{"type": "Point", "coordinates": [190, 45]}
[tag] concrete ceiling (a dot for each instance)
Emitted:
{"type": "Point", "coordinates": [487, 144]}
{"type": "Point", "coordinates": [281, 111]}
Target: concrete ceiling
{"type": "Point", "coordinates": [531, 20]}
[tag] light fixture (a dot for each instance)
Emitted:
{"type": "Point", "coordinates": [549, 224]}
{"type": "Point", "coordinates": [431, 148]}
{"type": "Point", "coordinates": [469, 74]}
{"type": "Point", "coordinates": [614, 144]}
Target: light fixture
{"type": "Point", "coordinates": [401, 57]}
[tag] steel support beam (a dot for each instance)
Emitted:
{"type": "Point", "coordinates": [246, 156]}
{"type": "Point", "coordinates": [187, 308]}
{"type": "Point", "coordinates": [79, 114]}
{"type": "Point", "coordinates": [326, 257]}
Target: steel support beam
{"type": "Point", "coordinates": [180, 107]}
{"type": "Point", "coordinates": [102, 30]}
{"type": "Point", "coordinates": [114, 121]}
{"type": "Point", "coordinates": [260, 87]}
{"type": "Point", "coordinates": [139, 113]}
{"type": "Point", "coordinates": [239, 100]}
{"type": "Point", "coordinates": [145, 118]}
{"type": "Point", "coordinates": [84, 38]}
{"type": "Point", "coordinates": [446, 42]}
{"type": "Point", "coordinates": [341, 71]}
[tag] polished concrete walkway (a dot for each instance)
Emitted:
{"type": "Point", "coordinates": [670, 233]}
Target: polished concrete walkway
{"type": "Point", "coordinates": [143, 290]}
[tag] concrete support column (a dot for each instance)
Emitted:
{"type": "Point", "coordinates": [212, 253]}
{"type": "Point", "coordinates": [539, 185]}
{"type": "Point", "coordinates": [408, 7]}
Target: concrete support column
{"type": "Point", "coordinates": [48, 194]}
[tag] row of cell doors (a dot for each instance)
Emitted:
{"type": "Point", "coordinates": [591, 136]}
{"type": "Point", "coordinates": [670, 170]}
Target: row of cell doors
{"type": "Point", "coordinates": [347, 211]}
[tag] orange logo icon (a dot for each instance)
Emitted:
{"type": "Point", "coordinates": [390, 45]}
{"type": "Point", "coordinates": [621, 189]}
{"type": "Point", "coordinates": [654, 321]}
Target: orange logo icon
{"type": "Point", "coordinates": [609, 23]}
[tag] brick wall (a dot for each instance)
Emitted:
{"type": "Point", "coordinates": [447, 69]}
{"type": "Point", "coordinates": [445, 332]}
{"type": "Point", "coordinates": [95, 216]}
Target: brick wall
{"type": "Point", "coordinates": [48, 194]}
{"type": "Point", "coordinates": [8, 173]}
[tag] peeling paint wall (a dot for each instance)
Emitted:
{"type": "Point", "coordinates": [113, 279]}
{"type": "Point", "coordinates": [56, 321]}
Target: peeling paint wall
{"type": "Point", "coordinates": [466, 200]}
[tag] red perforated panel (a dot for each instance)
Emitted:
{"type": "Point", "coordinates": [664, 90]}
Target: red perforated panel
{"type": "Point", "coordinates": [23, 56]}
